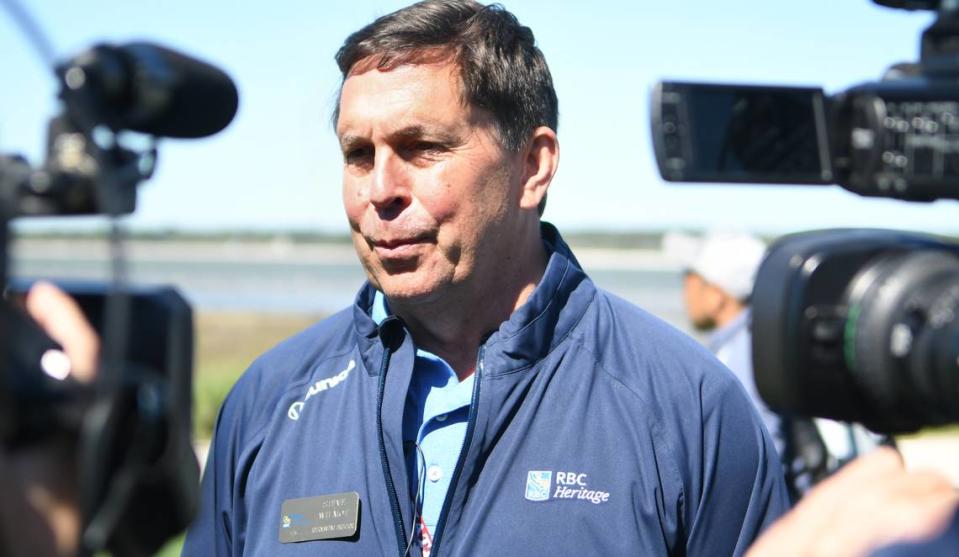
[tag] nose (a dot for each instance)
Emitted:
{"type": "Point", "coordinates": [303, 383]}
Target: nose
{"type": "Point", "coordinates": [390, 191]}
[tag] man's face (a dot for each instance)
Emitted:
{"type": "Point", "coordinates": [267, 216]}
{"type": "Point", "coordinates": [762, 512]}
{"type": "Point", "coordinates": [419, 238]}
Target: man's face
{"type": "Point", "coordinates": [431, 196]}
{"type": "Point", "coordinates": [701, 299]}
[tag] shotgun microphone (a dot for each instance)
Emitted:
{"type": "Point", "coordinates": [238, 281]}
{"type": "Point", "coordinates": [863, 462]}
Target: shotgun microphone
{"type": "Point", "coordinates": [150, 89]}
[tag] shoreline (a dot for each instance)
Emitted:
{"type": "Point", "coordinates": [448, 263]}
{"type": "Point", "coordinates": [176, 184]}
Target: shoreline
{"type": "Point", "coordinates": [284, 252]}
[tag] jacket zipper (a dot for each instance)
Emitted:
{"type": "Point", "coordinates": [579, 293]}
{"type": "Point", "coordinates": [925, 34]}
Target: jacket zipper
{"type": "Point", "coordinates": [390, 488]}
{"type": "Point", "coordinates": [467, 441]}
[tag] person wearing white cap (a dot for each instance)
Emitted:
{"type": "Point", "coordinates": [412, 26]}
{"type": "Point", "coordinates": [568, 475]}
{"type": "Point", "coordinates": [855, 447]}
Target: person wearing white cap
{"type": "Point", "coordinates": [720, 269]}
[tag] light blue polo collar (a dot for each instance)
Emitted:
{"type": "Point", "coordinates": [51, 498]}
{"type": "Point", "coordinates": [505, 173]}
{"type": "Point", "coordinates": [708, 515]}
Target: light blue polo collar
{"type": "Point", "coordinates": [455, 394]}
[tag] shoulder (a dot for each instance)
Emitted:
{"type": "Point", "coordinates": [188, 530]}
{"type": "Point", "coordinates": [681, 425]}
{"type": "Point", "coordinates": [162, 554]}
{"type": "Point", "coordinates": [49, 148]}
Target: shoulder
{"type": "Point", "coordinates": [698, 412]}
{"type": "Point", "coordinates": [679, 388]}
{"type": "Point", "coordinates": [647, 354]}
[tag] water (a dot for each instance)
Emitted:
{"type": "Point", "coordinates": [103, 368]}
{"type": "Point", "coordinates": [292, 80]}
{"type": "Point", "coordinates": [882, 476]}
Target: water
{"type": "Point", "coordinates": [321, 282]}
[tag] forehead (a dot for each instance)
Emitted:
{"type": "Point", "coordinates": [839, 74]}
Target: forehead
{"type": "Point", "coordinates": [428, 93]}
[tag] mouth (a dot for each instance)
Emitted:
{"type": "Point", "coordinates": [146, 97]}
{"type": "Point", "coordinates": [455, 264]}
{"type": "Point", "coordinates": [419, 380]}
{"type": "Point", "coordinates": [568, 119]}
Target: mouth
{"type": "Point", "coordinates": [399, 248]}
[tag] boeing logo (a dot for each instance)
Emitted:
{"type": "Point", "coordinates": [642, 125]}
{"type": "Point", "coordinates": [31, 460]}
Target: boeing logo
{"type": "Point", "coordinates": [323, 384]}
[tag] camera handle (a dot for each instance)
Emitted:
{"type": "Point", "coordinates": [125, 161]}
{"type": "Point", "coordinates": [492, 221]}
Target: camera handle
{"type": "Point", "coordinates": [939, 45]}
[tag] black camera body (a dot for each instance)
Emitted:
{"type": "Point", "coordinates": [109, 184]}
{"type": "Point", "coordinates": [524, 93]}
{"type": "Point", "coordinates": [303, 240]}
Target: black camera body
{"type": "Point", "coordinates": [138, 437]}
{"type": "Point", "coordinates": [897, 138]}
{"type": "Point", "coordinates": [855, 325]}
{"type": "Point", "coordinates": [859, 325]}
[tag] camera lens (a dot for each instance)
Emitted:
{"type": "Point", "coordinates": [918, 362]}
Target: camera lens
{"type": "Point", "coordinates": [901, 338]}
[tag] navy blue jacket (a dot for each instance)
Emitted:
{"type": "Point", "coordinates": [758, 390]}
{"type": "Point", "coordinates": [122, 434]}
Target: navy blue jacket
{"type": "Point", "coordinates": [595, 429]}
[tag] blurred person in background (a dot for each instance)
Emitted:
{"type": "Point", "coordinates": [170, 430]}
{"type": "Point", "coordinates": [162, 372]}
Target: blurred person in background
{"type": "Point", "coordinates": [719, 269]}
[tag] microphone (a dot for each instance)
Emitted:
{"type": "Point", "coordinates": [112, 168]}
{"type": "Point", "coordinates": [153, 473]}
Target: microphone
{"type": "Point", "coordinates": [148, 88]}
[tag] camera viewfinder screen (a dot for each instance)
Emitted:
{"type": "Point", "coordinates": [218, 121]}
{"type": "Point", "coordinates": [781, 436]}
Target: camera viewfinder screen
{"type": "Point", "coordinates": [727, 133]}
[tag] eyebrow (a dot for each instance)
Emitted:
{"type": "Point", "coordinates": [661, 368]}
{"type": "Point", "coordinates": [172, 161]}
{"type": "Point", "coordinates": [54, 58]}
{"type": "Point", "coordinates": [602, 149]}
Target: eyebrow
{"type": "Point", "coordinates": [413, 132]}
{"type": "Point", "coordinates": [442, 135]}
{"type": "Point", "coordinates": [349, 141]}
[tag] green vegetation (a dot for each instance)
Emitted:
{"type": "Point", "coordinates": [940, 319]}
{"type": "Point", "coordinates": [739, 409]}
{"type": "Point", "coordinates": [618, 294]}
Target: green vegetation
{"type": "Point", "coordinates": [226, 344]}
{"type": "Point", "coordinates": [173, 548]}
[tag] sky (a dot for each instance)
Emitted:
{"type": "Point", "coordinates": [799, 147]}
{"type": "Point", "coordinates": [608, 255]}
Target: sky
{"type": "Point", "coordinates": [277, 166]}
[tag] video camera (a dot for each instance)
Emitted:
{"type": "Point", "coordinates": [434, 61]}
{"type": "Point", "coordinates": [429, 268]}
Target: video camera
{"type": "Point", "coordinates": [138, 477]}
{"type": "Point", "coordinates": [855, 325]}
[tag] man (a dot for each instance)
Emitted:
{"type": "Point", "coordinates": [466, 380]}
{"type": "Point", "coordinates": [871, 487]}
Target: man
{"type": "Point", "coordinates": [482, 396]}
{"type": "Point", "coordinates": [867, 505]}
{"type": "Point", "coordinates": [721, 268]}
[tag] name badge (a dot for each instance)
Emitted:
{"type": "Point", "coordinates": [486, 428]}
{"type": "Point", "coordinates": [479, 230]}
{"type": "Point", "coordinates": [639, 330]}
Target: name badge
{"type": "Point", "coordinates": [320, 518]}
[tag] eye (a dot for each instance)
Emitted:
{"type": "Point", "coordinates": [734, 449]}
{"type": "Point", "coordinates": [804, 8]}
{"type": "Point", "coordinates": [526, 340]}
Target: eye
{"type": "Point", "coordinates": [422, 150]}
{"type": "Point", "coordinates": [426, 146]}
{"type": "Point", "coordinates": [358, 155]}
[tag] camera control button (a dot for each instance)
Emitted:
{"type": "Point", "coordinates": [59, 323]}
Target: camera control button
{"type": "Point", "coordinates": [827, 330]}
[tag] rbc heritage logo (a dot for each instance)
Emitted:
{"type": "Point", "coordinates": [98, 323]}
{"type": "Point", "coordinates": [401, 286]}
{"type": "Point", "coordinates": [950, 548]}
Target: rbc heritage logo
{"type": "Point", "coordinates": [538, 484]}
{"type": "Point", "coordinates": [294, 519]}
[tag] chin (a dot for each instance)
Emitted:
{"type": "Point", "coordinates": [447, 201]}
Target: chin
{"type": "Point", "coordinates": [704, 325]}
{"type": "Point", "coordinates": [408, 288]}
{"type": "Point", "coordinates": [410, 282]}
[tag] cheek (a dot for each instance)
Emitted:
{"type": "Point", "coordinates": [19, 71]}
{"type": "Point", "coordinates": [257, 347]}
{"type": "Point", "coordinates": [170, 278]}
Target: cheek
{"type": "Point", "coordinates": [352, 202]}
{"type": "Point", "coordinates": [692, 294]}
{"type": "Point", "coordinates": [445, 208]}
{"type": "Point", "coordinates": [438, 192]}
{"type": "Point", "coordinates": [464, 222]}
{"type": "Point", "coordinates": [472, 204]}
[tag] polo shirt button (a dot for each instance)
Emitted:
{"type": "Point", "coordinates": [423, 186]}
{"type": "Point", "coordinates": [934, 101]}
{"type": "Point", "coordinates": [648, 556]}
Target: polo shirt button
{"type": "Point", "coordinates": [434, 473]}
{"type": "Point", "coordinates": [441, 417]}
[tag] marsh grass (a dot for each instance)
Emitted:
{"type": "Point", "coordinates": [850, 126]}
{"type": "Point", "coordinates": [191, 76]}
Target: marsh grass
{"type": "Point", "coordinates": [226, 344]}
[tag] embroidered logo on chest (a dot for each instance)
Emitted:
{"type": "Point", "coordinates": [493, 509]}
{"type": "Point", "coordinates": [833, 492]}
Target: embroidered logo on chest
{"type": "Point", "coordinates": [568, 485]}
{"type": "Point", "coordinates": [323, 384]}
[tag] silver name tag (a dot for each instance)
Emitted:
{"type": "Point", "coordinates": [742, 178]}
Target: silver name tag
{"type": "Point", "coordinates": [320, 518]}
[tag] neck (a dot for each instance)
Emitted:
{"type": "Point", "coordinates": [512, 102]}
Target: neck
{"type": "Point", "coordinates": [454, 326]}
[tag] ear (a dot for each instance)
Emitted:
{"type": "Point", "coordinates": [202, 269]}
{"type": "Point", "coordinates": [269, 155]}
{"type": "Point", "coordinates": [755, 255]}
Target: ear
{"type": "Point", "coordinates": [541, 159]}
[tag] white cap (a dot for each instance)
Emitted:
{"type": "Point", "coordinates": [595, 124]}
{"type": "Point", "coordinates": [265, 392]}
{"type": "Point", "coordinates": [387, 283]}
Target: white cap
{"type": "Point", "coordinates": [726, 259]}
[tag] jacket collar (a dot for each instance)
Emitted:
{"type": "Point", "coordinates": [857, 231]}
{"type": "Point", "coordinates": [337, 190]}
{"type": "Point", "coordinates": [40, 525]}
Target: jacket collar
{"type": "Point", "coordinates": [556, 305]}
{"type": "Point", "coordinates": [550, 313]}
